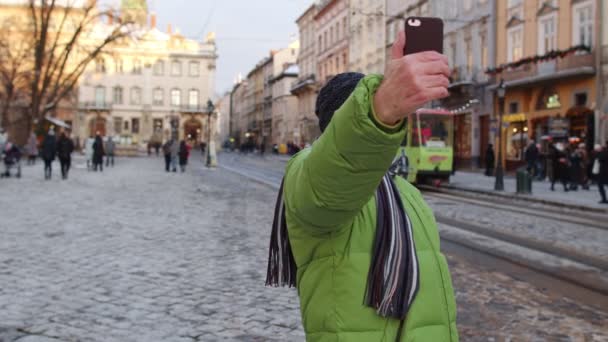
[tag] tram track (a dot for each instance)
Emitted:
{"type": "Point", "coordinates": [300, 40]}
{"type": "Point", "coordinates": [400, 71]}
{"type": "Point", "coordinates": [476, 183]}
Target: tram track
{"type": "Point", "coordinates": [570, 268]}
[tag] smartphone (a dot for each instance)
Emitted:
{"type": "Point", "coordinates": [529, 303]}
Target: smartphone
{"type": "Point", "coordinates": [423, 34]}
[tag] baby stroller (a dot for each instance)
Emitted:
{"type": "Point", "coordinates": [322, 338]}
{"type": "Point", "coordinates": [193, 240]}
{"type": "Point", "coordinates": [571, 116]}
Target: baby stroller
{"type": "Point", "coordinates": [12, 160]}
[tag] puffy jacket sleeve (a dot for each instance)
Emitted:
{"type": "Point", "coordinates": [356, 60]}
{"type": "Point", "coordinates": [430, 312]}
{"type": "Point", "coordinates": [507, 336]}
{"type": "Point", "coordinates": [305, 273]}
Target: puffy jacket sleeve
{"type": "Point", "coordinates": [327, 185]}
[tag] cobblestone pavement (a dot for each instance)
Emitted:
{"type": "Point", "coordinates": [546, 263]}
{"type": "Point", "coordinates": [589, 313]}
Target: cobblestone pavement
{"type": "Point", "coordinates": [136, 254]}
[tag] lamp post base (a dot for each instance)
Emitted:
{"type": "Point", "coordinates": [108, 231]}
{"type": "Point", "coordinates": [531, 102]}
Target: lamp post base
{"type": "Point", "coordinates": [499, 184]}
{"type": "Point", "coordinates": [211, 155]}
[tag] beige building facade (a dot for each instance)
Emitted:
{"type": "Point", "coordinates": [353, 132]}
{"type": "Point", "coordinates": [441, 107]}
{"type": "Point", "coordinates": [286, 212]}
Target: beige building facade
{"type": "Point", "coordinates": [332, 30]}
{"type": "Point", "coordinates": [284, 106]}
{"type": "Point", "coordinates": [149, 89]}
{"type": "Point", "coordinates": [555, 97]}
{"type": "Point", "coordinates": [367, 36]}
{"type": "Point", "coordinates": [306, 85]}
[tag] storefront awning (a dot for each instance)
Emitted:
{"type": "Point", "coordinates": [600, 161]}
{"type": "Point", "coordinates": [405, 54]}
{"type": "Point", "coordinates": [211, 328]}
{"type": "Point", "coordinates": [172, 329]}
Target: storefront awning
{"type": "Point", "coordinates": [57, 122]}
{"type": "Point", "coordinates": [514, 117]}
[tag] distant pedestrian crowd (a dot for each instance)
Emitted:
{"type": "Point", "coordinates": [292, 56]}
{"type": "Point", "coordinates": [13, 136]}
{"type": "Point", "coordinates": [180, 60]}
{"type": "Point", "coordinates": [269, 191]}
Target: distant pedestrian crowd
{"type": "Point", "coordinates": [572, 165]}
{"type": "Point", "coordinates": [50, 147]}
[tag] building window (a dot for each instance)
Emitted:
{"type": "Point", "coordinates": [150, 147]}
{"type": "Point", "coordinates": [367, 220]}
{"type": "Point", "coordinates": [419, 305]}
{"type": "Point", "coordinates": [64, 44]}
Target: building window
{"type": "Point", "coordinates": [117, 125]}
{"type": "Point", "coordinates": [100, 66]}
{"type": "Point", "coordinates": [548, 99]}
{"type": "Point", "coordinates": [158, 125]}
{"type": "Point", "coordinates": [176, 97]}
{"type": "Point", "coordinates": [118, 66]}
{"type": "Point", "coordinates": [126, 126]}
{"type": "Point", "coordinates": [468, 4]}
{"type": "Point", "coordinates": [513, 107]}
{"type": "Point", "coordinates": [117, 95]}
{"type": "Point", "coordinates": [100, 95]}
{"type": "Point", "coordinates": [484, 51]}
{"type": "Point", "coordinates": [331, 35]}
{"type": "Point", "coordinates": [159, 68]}
{"type": "Point", "coordinates": [513, 3]}
{"type": "Point", "coordinates": [135, 125]}
{"type": "Point", "coordinates": [320, 43]}
{"type": "Point", "coordinates": [194, 69]}
{"type": "Point", "coordinates": [551, 3]}
{"type": "Point", "coordinates": [344, 28]}
{"type": "Point", "coordinates": [136, 96]}
{"type": "Point", "coordinates": [580, 99]}
{"type": "Point", "coordinates": [193, 98]}
{"type": "Point", "coordinates": [514, 44]}
{"type": "Point", "coordinates": [469, 56]}
{"type": "Point", "coordinates": [136, 67]}
{"type": "Point", "coordinates": [157, 97]}
{"type": "Point", "coordinates": [176, 68]}
{"type": "Point", "coordinates": [582, 15]}
{"type": "Point", "coordinates": [325, 44]}
{"type": "Point", "coordinates": [546, 35]}
{"type": "Point", "coordinates": [338, 31]}
{"type": "Point", "coordinates": [453, 54]}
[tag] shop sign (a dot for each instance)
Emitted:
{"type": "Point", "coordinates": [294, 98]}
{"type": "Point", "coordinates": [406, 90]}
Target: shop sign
{"type": "Point", "coordinates": [558, 127]}
{"type": "Point", "coordinates": [514, 117]}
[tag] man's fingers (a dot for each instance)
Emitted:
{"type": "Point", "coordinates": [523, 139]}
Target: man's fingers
{"type": "Point", "coordinates": [398, 46]}
{"type": "Point", "coordinates": [436, 93]}
{"type": "Point", "coordinates": [432, 81]}
{"type": "Point", "coordinates": [435, 68]}
{"type": "Point", "coordinates": [429, 56]}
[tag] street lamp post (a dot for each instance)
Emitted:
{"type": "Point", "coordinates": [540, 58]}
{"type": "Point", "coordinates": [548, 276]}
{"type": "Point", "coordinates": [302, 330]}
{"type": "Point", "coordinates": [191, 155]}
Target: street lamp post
{"type": "Point", "coordinates": [210, 109]}
{"type": "Point", "coordinates": [500, 91]}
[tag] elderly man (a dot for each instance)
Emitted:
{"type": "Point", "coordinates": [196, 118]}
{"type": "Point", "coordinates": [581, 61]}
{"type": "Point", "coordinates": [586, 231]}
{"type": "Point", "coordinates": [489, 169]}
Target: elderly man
{"type": "Point", "coordinates": [362, 247]}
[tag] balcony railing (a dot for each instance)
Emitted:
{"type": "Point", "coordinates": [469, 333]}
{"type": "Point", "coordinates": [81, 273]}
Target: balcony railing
{"type": "Point", "coordinates": [193, 109]}
{"type": "Point", "coordinates": [303, 82]}
{"type": "Point", "coordinates": [95, 105]}
{"type": "Point", "coordinates": [571, 62]}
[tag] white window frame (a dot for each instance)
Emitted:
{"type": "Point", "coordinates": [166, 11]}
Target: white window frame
{"type": "Point", "coordinates": [193, 104]}
{"type": "Point", "coordinates": [135, 100]}
{"type": "Point", "coordinates": [158, 100]}
{"type": "Point", "coordinates": [194, 72]}
{"type": "Point", "coordinates": [117, 95]}
{"type": "Point", "coordinates": [176, 71]}
{"type": "Point", "coordinates": [176, 97]}
{"type": "Point", "coordinates": [136, 67]}
{"type": "Point", "coordinates": [510, 55]}
{"type": "Point", "coordinates": [100, 95]}
{"type": "Point", "coordinates": [159, 68]}
{"type": "Point", "coordinates": [576, 22]}
{"type": "Point", "coordinates": [543, 48]}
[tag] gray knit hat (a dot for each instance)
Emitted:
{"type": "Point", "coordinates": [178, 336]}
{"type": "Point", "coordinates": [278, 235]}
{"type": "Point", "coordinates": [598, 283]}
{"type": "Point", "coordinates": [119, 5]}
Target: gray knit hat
{"type": "Point", "coordinates": [333, 95]}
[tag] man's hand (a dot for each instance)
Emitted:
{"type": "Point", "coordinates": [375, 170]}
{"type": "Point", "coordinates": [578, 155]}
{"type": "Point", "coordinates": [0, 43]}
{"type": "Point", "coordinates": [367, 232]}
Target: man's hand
{"type": "Point", "coordinates": [409, 82]}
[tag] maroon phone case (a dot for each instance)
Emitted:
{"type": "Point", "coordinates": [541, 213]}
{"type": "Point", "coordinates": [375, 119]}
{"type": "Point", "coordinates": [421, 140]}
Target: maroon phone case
{"type": "Point", "coordinates": [426, 37]}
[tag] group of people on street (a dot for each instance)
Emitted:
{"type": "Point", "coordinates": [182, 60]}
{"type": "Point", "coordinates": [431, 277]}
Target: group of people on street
{"type": "Point", "coordinates": [175, 152]}
{"type": "Point", "coordinates": [572, 165]}
{"type": "Point", "coordinates": [52, 148]}
{"type": "Point", "coordinates": [96, 150]}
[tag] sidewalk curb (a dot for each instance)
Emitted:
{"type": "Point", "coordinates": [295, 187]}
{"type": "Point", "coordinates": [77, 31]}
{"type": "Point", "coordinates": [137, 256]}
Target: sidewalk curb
{"type": "Point", "coordinates": [519, 197]}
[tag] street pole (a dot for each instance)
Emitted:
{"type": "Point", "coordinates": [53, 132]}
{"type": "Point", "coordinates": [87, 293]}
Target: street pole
{"type": "Point", "coordinates": [499, 182]}
{"type": "Point", "coordinates": [210, 144]}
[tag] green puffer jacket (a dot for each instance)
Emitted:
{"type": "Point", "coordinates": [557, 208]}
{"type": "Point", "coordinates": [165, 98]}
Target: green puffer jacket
{"type": "Point", "coordinates": [331, 219]}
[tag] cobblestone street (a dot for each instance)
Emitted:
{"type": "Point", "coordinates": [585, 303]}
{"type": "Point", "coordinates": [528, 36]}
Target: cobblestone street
{"type": "Point", "coordinates": [137, 254]}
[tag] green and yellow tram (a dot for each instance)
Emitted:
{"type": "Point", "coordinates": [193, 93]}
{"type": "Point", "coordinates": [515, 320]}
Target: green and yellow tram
{"type": "Point", "coordinates": [428, 146]}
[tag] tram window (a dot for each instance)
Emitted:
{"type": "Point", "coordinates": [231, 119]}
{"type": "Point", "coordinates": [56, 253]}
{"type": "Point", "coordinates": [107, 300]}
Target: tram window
{"type": "Point", "coordinates": [435, 130]}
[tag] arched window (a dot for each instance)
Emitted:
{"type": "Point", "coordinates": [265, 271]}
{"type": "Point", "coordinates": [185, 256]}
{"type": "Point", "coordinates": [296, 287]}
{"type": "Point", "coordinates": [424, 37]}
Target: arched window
{"type": "Point", "coordinates": [176, 97]}
{"type": "Point", "coordinates": [135, 95]}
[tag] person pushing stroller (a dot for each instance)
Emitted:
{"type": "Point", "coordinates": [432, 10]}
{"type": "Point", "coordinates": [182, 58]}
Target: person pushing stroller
{"type": "Point", "coordinates": [12, 160]}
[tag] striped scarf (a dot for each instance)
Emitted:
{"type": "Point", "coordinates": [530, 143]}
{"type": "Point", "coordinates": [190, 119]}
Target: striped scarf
{"type": "Point", "coordinates": [393, 277]}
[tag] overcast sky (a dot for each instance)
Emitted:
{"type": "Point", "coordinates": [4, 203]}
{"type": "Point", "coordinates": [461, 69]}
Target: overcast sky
{"type": "Point", "coordinates": [246, 30]}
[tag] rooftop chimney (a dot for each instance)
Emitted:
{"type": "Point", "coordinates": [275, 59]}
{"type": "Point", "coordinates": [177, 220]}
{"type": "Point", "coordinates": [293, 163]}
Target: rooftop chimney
{"type": "Point", "coordinates": [153, 20]}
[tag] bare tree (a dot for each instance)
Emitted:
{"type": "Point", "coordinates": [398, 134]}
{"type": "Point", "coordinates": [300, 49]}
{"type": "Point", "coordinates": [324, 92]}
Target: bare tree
{"type": "Point", "coordinates": [61, 38]}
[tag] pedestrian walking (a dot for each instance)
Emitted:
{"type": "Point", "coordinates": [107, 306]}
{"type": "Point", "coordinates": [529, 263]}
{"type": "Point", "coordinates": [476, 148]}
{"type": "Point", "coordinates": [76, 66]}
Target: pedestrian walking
{"type": "Point", "coordinates": [12, 159]}
{"type": "Point", "coordinates": [584, 166]}
{"type": "Point", "coordinates": [98, 153]}
{"type": "Point", "coordinates": [48, 153]}
{"type": "Point", "coordinates": [174, 153]}
{"type": "Point", "coordinates": [184, 153]}
{"type": "Point", "coordinates": [167, 154]}
{"type": "Point", "coordinates": [65, 147]}
{"type": "Point", "coordinates": [364, 245]}
{"type": "Point", "coordinates": [559, 163]}
{"type": "Point", "coordinates": [3, 138]}
{"type": "Point", "coordinates": [531, 157]}
{"type": "Point", "coordinates": [601, 170]}
{"type": "Point", "coordinates": [575, 168]}
{"type": "Point", "coordinates": [32, 149]}
{"type": "Point", "coordinates": [490, 160]}
{"type": "Point", "coordinates": [88, 152]}
{"type": "Point", "coordinates": [110, 149]}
